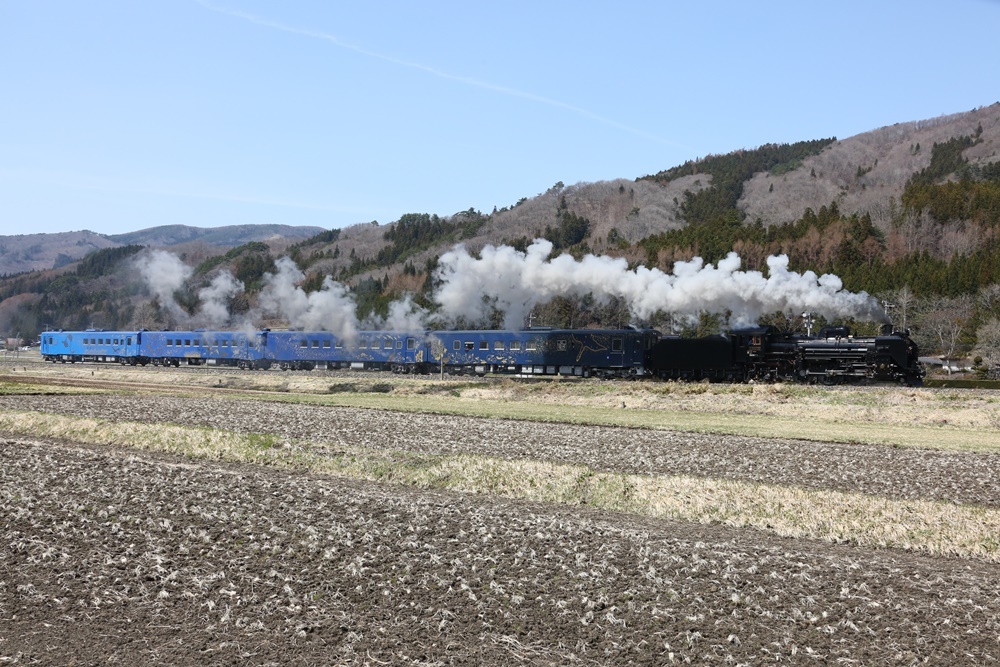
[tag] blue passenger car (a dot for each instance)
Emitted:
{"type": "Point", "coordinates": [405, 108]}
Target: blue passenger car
{"type": "Point", "coordinates": [90, 345]}
{"type": "Point", "coordinates": [542, 351]}
{"type": "Point", "coordinates": [197, 347]}
{"type": "Point", "coordinates": [489, 351]}
{"type": "Point", "coordinates": [603, 352]}
{"type": "Point", "coordinates": [369, 350]}
{"type": "Point", "coordinates": [303, 350]}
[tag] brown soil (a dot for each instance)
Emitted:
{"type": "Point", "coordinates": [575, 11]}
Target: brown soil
{"type": "Point", "coordinates": [960, 477]}
{"type": "Point", "coordinates": [115, 556]}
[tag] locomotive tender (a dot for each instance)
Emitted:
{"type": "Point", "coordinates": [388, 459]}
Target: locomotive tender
{"type": "Point", "coordinates": [742, 355]}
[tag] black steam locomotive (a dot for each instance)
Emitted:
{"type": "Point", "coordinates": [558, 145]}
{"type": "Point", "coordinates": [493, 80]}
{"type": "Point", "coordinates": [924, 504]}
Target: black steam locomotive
{"type": "Point", "coordinates": [767, 355]}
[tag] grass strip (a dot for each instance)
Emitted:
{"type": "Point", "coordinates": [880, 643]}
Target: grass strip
{"type": "Point", "coordinates": [952, 420]}
{"type": "Point", "coordinates": [941, 437]}
{"type": "Point", "coordinates": [42, 389]}
{"type": "Point", "coordinates": [937, 528]}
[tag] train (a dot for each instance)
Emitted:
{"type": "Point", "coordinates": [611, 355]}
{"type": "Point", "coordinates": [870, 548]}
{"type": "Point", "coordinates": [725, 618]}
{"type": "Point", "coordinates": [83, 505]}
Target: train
{"type": "Point", "coordinates": [755, 354]}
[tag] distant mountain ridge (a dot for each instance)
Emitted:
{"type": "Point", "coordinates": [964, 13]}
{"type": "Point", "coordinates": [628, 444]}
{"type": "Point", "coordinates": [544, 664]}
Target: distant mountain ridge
{"type": "Point", "coordinates": [913, 207]}
{"type": "Point", "coordinates": [865, 174]}
{"type": "Point", "coordinates": [228, 236]}
{"type": "Point", "coordinates": [37, 252]}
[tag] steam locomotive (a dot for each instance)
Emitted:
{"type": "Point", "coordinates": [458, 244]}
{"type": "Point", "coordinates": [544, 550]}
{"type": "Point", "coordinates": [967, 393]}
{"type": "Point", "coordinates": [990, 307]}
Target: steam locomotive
{"type": "Point", "coordinates": [765, 354]}
{"type": "Point", "coordinates": [834, 356]}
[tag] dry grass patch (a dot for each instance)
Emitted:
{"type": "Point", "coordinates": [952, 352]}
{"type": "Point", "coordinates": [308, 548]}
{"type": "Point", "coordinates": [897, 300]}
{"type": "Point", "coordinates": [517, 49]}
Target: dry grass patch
{"type": "Point", "coordinates": [938, 528]}
{"type": "Point", "coordinates": [958, 420]}
{"type": "Point", "coordinates": [942, 435]}
{"type": "Point", "coordinates": [31, 389]}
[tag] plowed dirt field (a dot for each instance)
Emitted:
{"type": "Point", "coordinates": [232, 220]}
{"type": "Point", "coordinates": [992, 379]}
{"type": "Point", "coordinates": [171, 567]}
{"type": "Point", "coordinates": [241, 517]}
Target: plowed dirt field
{"type": "Point", "coordinates": [114, 555]}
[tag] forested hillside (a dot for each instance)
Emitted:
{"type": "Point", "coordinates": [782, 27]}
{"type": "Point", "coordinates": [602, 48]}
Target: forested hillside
{"type": "Point", "coordinates": [909, 213]}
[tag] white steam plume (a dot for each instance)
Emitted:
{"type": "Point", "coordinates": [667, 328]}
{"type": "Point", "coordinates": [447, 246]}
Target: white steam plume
{"type": "Point", "coordinates": [214, 310]}
{"type": "Point", "coordinates": [164, 273]}
{"type": "Point", "coordinates": [332, 308]}
{"type": "Point", "coordinates": [404, 316]}
{"type": "Point", "coordinates": [514, 282]}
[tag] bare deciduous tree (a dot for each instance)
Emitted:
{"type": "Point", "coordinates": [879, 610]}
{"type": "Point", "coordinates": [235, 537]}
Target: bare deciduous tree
{"type": "Point", "coordinates": [146, 316]}
{"type": "Point", "coordinates": [988, 301]}
{"type": "Point", "coordinates": [901, 305]}
{"type": "Point", "coordinates": [988, 344]}
{"type": "Point", "coordinates": [944, 324]}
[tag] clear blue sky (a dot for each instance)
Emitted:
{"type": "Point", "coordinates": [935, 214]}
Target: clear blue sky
{"type": "Point", "coordinates": [117, 116]}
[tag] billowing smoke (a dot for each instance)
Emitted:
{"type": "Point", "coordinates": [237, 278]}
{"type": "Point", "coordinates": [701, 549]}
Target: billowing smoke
{"type": "Point", "coordinates": [164, 273]}
{"type": "Point", "coordinates": [331, 308]}
{"type": "Point", "coordinates": [514, 282]}
{"type": "Point", "coordinates": [214, 309]}
{"type": "Point", "coordinates": [404, 316]}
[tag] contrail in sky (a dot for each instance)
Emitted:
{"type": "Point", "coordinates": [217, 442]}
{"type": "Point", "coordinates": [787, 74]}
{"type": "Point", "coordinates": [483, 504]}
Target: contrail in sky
{"type": "Point", "coordinates": [469, 81]}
